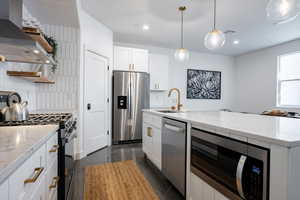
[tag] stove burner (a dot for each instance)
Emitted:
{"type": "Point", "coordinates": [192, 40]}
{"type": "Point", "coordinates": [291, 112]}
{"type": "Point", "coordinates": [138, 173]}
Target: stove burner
{"type": "Point", "coordinates": [42, 119]}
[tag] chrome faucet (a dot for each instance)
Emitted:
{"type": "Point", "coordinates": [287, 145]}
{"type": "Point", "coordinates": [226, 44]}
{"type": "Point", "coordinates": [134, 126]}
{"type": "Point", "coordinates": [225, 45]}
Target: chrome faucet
{"type": "Point", "coordinates": [179, 105]}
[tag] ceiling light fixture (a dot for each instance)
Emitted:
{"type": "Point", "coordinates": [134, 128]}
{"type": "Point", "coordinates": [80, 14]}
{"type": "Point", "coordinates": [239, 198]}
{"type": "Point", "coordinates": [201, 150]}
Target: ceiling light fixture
{"type": "Point", "coordinates": [236, 41]}
{"type": "Point", "coordinates": [282, 11]}
{"type": "Point", "coordinates": [182, 54]}
{"type": "Point", "coordinates": [215, 39]}
{"type": "Point", "coordinates": [146, 27]}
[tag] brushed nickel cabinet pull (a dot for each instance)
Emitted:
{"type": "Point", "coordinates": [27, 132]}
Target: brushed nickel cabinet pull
{"type": "Point", "coordinates": [54, 183]}
{"type": "Point", "coordinates": [54, 149]}
{"type": "Point", "coordinates": [37, 173]}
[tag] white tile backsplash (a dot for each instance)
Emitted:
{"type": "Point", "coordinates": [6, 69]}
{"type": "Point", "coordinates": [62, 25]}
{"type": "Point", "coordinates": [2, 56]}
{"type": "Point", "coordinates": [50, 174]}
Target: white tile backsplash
{"type": "Point", "coordinates": [63, 95]}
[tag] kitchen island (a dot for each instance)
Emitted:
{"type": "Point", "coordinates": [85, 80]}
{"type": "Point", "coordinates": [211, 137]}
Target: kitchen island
{"type": "Point", "coordinates": [28, 155]}
{"type": "Point", "coordinates": [276, 134]}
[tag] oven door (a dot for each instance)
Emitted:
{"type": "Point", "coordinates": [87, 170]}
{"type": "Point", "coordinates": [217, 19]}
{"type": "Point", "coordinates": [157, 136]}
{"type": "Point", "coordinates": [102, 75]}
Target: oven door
{"type": "Point", "coordinates": [69, 166]}
{"type": "Point", "coordinates": [227, 166]}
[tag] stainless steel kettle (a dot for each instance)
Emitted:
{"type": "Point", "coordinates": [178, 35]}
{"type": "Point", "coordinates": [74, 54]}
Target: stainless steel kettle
{"type": "Point", "coordinates": [15, 112]}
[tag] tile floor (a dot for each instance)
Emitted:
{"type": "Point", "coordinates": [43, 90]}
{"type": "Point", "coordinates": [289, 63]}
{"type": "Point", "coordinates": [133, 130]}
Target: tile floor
{"type": "Point", "coordinates": [162, 186]}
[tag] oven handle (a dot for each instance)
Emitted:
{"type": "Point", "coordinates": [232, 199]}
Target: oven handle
{"type": "Point", "coordinates": [239, 175]}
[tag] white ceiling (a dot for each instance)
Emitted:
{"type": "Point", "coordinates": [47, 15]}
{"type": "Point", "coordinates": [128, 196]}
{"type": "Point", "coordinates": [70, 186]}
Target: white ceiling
{"type": "Point", "coordinates": [125, 18]}
{"type": "Point", "coordinates": [247, 17]}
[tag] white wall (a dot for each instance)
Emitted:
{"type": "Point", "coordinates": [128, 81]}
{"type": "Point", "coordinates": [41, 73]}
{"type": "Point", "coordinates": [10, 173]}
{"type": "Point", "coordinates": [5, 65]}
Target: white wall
{"type": "Point", "coordinates": [178, 75]}
{"type": "Point", "coordinates": [96, 37]}
{"type": "Point", "coordinates": [25, 88]}
{"type": "Point", "coordinates": [256, 74]}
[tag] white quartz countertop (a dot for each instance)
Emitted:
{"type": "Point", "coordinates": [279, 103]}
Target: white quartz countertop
{"type": "Point", "coordinates": [273, 130]}
{"type": "Point", "coordinates": [18, 143]}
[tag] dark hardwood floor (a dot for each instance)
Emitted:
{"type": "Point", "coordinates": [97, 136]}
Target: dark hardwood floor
{"type": "Point", "coordinates": [116, 153]}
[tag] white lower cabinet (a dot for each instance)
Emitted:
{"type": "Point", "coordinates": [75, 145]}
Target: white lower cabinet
{"type": "Point", "coordinates": [36, 178]}
{"type": "Point", "coordinates": [40, 191]}
{"type": "Point", "coordinates": [152, 138]}
{"type": "Point", "coordinates": [4, 190]}
{"type": "Point", "coordinates": [27, 177]}
{"type": "Point", "coordinates": [51, 182]}
{"type": "Point", "coordinates": [200, 190]}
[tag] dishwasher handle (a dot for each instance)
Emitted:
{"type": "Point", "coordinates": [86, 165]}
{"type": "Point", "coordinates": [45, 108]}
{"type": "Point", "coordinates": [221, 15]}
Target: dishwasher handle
{"type": "Point", "coordinates": [174, 128]}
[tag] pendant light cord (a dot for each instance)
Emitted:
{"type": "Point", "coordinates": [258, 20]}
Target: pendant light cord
{"type": "Point", "coordinates": [182, 29]}
{"type": "Point", "coordinates": [215, 18]}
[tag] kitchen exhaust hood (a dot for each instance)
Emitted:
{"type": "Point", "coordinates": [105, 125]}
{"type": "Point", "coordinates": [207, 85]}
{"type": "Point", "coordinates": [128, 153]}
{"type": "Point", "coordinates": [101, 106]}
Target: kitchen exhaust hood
{"type": "Point", "coordinates": [15, 45]}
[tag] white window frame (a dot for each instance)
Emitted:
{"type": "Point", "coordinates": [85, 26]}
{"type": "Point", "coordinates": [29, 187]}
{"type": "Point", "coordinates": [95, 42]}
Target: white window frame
{"type": "Point", "coordinates": [279, 82]}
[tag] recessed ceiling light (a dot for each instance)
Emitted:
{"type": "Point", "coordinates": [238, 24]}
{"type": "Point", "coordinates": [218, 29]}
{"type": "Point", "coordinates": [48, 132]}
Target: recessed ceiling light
{"type": "Point", "coordinates": [36, 51]}
{"type": "Point", "coordinates": [236, 42]}
{"type": "Point", "coordinates": [146, 27]}
{"type": "Point", "coordinates": [47, 61]}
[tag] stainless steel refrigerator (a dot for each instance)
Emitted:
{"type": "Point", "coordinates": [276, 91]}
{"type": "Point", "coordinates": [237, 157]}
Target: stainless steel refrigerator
{"type": "Point", "coordinates": [131, 94]}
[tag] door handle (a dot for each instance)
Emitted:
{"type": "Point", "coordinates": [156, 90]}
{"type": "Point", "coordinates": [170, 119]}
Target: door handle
{"type": "Point", "coordinates": [89, 106]}
{"type": "Point", "coordinates": [239, 175]}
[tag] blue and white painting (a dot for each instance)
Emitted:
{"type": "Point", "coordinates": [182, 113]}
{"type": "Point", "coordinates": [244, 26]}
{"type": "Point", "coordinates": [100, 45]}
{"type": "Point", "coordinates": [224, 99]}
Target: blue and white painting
{"type": "Point", "coordinates": [202, 84]}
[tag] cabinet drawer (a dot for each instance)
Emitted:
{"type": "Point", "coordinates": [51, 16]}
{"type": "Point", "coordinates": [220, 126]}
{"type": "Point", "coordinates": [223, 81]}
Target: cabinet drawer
{"type": "Point", "coordinates": [156, 121]}
{"type": "Point", "coordinates": [152, 120]}
{"type": "Point", "coordinates": [52, 181]}
{"type": "Point", "coordinates": [27, 177]}
{"type": "Point", "coordinates": [39, 192]}
{"type": "Point", "coordinates": [4, 190]}
{"type": "Point", "coordinates": [52, 149]}
{"type": "Point", "coordinates": [147, 118]}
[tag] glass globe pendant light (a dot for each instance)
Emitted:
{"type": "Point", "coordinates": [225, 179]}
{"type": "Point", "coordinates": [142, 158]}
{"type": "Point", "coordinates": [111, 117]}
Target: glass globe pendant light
{"type": "Point", "coordinates": [215, 39]}
{"type": "Point", "coordinates": [182, 54]}
{"type": "Point", "coordinates": [282, 11]}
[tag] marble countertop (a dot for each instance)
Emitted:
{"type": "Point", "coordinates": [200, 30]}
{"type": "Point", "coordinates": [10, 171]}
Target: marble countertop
{"type": "Point", "coordinates": [18, 143]}
{"type": "Point", "coordinates": [274, 130]}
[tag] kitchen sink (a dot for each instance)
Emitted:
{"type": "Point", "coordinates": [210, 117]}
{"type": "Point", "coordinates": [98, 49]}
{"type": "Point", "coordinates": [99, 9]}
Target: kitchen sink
{"type": "Point", "coordinates": [169, 111]}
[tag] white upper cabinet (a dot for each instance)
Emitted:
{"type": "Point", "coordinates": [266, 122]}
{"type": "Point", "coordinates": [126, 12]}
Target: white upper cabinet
{"type": "Point", "coordinates": [140, 60]}
{"type": "Point", "coordinates": [159, 72]}
{"type": "Point", "coordinates": [131, 59]}
{"type": "Point", "coordinates": [122, 58]}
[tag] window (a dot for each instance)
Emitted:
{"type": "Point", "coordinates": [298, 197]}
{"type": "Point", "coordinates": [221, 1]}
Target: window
{"type": "Point", "coordinates": [288, 81]}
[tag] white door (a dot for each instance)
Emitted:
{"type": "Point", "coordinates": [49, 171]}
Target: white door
{"type": "Point", "coordinates": [95, 99]}
{"type": "Point", "coordinates": [122, 58]}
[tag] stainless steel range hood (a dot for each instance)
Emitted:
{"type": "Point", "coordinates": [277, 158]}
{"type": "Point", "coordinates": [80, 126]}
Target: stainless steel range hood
{"type": "Point", "coordinates": [15, 45]}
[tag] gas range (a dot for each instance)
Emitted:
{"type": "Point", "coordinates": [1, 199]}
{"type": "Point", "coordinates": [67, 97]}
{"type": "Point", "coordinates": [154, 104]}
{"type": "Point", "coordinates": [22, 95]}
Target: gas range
{"type": "Point", "coordinates": [66, 121]}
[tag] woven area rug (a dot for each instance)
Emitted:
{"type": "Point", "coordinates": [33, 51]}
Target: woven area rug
{"type": "Point", "coordinates": [117, 181]}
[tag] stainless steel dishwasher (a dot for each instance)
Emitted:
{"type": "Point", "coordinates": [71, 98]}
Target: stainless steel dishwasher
{"type": "Point", "coordinates": [174, 152]}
